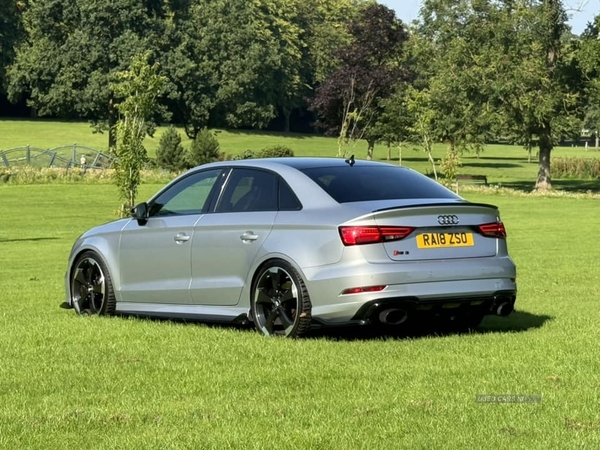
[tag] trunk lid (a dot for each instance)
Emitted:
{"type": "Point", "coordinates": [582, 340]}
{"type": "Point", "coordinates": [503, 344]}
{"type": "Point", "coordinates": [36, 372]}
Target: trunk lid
{"type": "Point", "coordinates": [447, 230]}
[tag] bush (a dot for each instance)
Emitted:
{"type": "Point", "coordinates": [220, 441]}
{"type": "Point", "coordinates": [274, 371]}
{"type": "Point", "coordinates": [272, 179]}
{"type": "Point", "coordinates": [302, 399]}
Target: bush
{"type": "Point", "coordinates": [582, 168]}
{"type": "Point", "coordinates": [204, 149]}
{"type": "Point", "coordinates": [276, 151]}
{"type": "Point", "coordinates": [247, 154]}
{"type": "Point", "coordinates": [61, 175]}
{"type": "Point", "coordinates": [170, 154]}
{"type": "Point", "coordinates": [450, 164]}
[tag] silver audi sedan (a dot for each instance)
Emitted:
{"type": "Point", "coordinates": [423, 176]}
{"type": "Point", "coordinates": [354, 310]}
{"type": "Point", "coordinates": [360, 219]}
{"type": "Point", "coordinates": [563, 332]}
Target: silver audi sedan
{"type": "Point", "coordinates": [293, 243]}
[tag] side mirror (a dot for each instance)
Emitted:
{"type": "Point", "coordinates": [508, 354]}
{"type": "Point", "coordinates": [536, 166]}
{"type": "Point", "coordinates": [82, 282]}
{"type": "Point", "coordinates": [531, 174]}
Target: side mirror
{"type": "Point", "coordinates": [140, 213]}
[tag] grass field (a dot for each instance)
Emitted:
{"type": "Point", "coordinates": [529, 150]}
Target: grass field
{"type": "Point", "coordinates": [69, 382]}
{"type": "Point", "coordinates": [502, 164]}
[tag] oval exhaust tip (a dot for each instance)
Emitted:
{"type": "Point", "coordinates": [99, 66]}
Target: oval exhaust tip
{"type": "Point", "coordinates": [504, 309]}
{"type": "Point", "coordinates": [393, 316]}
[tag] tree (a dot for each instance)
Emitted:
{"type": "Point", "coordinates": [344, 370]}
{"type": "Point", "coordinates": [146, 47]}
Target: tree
{"type": "Point", "coordinates": [11, 33]}
{"type": "Point", "coordinates": [422, 118]}
{"type": "Point", "coordinates": [443, 48]}
{"type": "Point", "coordinates": [140, 87]}
{"type": "Point", "coordinates": [393, 124]}
{"type": "Point", "coordinates": [74, 49]}
{"type": "Point", "coordinates": [348, 101]}
{"type": "Point", "coordinates": [513, 64]}
{"type": "Point", "coordinates": [588, 60]}
{"type": "Point", "coordinates": [204, 149]}
{"type": "Point", "coordinates": [222, 65]}
{"type": "Point", "coordinates": [530, 77]}
{"type": "Point", "coordinates": [170, 154]}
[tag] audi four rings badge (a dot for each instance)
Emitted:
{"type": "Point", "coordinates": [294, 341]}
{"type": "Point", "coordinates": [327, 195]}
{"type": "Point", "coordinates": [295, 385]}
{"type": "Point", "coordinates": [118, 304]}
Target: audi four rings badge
{"type": "Point", "coordinates": [448, 220]}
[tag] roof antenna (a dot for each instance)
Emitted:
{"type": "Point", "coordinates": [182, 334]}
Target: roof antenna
{"type": "Point", "coordinates": [350, 161]}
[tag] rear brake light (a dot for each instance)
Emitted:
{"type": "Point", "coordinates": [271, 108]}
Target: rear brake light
{"type": "Point", "coordinates": [372, 235]}
{"type": "Point", "coordinates": [495, 230]}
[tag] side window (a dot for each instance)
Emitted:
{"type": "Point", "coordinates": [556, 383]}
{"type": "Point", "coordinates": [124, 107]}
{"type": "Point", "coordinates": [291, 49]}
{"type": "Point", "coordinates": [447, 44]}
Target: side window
{"type": "Point", "coordinates": [287, 199]}
{"type": "Point", "coordinates": [188, 196]}
{"type": "Point", "coordinates": [249, 190]}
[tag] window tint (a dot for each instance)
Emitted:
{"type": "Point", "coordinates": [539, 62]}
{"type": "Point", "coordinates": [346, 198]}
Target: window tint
{"type": "Point", "coordinates": [249, 190]}
{"type": "Point", "coordinates": [188, 196]}
{"type": "Point", "coordinates": [287, 199]}
{"type": "Point", "coordinates": [356, 184]}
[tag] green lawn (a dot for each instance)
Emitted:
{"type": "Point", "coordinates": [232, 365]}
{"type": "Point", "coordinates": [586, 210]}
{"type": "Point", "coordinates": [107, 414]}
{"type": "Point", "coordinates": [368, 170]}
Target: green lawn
{"type": "Point", "coordinates": [69, 382]}
{"type": "Point", "coordinates": [503, 164]}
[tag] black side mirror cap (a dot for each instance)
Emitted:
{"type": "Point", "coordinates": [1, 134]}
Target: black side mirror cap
{"type": "Point", "coordinates": [140, 213]}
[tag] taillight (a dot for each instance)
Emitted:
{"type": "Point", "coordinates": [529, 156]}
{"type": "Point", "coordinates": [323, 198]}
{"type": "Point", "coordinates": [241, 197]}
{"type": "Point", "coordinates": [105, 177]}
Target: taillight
{"type": "Point", "coordinates": [372, 235]}
{"type": "Point", "coordinates": [495, 230]}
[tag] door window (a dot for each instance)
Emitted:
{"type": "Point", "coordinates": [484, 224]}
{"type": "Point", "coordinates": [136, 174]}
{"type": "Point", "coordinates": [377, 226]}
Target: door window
{"type": "Point", "coordinates": [249, 190]}
{"type": "Point", "coordinates": [189, 196]}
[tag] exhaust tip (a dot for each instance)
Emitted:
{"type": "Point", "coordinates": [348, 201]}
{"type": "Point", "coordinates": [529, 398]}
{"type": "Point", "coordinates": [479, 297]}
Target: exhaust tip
{"type": "Point", "coordinates": [393, 316]}
{"type": "Point", "coordinates": [504, 309]}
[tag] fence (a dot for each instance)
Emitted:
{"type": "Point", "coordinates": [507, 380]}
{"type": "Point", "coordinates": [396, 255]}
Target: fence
{"type": "Point", "coordinates": [66, 156]}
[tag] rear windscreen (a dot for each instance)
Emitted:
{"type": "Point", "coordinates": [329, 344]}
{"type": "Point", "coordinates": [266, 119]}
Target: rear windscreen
{"type": "Point", "coordinates": [357, 184]}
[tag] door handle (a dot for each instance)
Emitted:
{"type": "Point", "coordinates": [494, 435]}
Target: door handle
{"type": "Point", "coordinates": [249, 236]}
{"type": "Point", "coordinates": [181, 238]}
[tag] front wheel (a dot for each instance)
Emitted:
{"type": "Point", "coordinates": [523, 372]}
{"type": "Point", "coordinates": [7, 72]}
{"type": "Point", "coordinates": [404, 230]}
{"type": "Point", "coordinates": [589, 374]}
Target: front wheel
{"type": "Point", "coordinates": [280, 302]}
{"type": "Point", "coordinates": [91, 286]}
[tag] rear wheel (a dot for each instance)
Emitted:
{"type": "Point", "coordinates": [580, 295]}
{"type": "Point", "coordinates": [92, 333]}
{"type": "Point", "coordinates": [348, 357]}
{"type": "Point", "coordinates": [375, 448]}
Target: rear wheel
{"type": "Point", "coordinates": [280, 301]}
{"type": "Point", "coordinates": [91, 286]}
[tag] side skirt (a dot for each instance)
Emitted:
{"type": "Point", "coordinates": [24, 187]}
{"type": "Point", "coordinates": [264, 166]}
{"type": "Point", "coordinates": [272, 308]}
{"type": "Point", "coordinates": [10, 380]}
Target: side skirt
{"type": "Point", "coordinates": [220, 314]}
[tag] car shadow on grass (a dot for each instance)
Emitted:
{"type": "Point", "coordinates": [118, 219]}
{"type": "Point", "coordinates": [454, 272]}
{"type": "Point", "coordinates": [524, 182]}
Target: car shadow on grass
{"type": "Point", "coordinates": [517, 322]}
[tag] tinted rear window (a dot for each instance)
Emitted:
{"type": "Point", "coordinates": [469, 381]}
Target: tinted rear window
{"type": "Point", "coordinates": [357, 184]}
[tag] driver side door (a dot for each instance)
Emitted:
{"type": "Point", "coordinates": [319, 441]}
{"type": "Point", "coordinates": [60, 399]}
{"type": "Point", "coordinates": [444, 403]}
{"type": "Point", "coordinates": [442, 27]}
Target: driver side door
{"type": "Point", "coordinates": [155, 257]}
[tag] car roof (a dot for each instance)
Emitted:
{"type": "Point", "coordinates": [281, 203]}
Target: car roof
{"type": "Point", "coordinates": [299, 163]}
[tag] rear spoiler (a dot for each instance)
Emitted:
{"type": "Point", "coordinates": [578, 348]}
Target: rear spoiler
{"type": "Point", "coordinates": [424, 205]}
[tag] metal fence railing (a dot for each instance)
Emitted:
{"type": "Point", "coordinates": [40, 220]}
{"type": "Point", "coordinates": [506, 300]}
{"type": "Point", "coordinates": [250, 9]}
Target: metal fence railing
{"type": "Point", "coordinates": [65, 156]}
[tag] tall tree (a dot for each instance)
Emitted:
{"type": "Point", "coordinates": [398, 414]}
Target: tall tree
{"type": "Point", "coordinates": [588, 59]}
{"type": "Point", "coordinates": [139, 87]}
{"type": "Point", "coordinates": [514, 61]}
{"type": "Point", "coordinates": [443, 48]}
{"type": "Point", "coordinates": [348, 101]}
{"type": "Point", "coordinates": [530, 76]}
{"type": "Point", "coordinates": [222, 64]}
{"type": "Point", "coordinates": [11, 33]}
{"type": "Point", "coordinates": [73, 51]}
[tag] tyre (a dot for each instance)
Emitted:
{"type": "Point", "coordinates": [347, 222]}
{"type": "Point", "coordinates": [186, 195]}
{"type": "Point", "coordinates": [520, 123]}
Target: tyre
{"type": "Point", "coordinates": [91, 286]}
{"type": "Point", "coordinates": [280, 304]}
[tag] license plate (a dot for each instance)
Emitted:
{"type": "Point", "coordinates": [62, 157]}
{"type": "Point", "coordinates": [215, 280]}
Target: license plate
{"type": "Point", "coordinates": [438, 240]}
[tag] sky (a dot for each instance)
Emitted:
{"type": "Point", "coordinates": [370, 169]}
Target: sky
{"type": "Point", "coordinates": [580, 11]}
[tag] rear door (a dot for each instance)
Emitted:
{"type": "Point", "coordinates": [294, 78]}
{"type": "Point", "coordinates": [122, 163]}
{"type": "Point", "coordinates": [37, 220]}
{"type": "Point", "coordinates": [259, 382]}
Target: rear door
{"type": "Point", "coordinates": [227, 240]}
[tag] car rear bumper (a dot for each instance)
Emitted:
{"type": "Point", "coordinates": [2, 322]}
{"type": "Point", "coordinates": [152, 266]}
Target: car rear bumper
{"type": "Point", "coordinates": [436, 286]}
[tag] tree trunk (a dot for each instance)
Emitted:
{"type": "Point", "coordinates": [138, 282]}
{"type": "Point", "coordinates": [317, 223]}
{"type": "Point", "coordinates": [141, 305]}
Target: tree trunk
{"type": "Point", "coordinates": [597, 140]}
{"type": "Point", "coordinates": [400, 154]}
{"type": "Point", "coordinates": [544, 181]}
{"type": "Point", "coordinates": [112, 133]}
{"type": "Point", "coordinates": [432, 161]}
{"type": "Point", "coordinates": [286, 119]}
{"type": "Point", "coordinates": [112, 125]}
{"type": "Point", "coordinates": [389, 151]}
{"type": "Point", "coordinates": [370, 149]}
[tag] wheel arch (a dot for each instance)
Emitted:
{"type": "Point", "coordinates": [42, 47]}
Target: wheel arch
{"type": "Point", "coordinates": [247, 291]}
{"type": "Point", "coordinates": [101, 248]}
